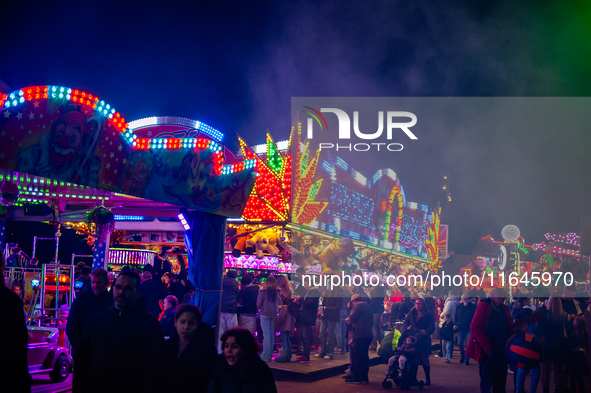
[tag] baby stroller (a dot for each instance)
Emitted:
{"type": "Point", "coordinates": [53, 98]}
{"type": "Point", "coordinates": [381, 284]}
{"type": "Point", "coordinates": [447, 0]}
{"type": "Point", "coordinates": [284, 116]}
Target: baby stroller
{"type": "Point", "coordinates": [408, 377]}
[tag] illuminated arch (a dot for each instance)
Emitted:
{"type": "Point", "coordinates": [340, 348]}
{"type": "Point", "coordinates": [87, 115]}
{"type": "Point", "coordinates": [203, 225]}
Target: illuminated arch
{"type": "Point", "coordinates": [39, 138]}
{"type": "Point", "coordinates": [35, 93]}
{"type": "Point", "coordinates": [177, 121]}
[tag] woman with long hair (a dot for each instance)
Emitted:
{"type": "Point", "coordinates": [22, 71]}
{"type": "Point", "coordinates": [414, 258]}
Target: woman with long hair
{"type": "Point", "coordinates": [421, 321]}
{"type": "Point", "coordinates": [190, 353]}
{"type": "Point", "coordinates": [285, 325]}
{"type": "Point", "coordinates": [267, 303]}
{"type": "Point", "coordinates": [439, 304]}
{"type": "Point", "coordinates": [285, 287]}
{"type": "Point", "coordinates": [552, 334]}
{"type": "Point", "coordinates": [239, 368]}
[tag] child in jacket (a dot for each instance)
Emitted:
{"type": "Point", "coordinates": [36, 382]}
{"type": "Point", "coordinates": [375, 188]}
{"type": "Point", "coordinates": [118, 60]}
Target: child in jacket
{"type": "Point", "coordinates": [285, 325]}
{"type": "Point", "coordinates": [447, 335]}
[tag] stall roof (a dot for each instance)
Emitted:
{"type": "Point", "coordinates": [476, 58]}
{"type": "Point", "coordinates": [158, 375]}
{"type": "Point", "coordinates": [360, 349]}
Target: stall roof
{"type": "Point", "coordinates": [69, 135]}
{"type": "Point", "coordinates": [72, 200]}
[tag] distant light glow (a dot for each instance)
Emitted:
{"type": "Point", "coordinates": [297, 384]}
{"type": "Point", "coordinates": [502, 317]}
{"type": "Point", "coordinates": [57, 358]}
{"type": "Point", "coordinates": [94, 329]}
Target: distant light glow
{"type": "Point", "coordinates": [510, 233]}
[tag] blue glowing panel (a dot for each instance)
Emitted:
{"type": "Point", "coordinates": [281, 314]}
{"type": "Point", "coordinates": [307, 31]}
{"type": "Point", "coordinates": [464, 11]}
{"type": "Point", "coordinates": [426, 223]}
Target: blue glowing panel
{"type": "Point", "coordinates": [369, 239]}
{"type": "Point", "coordinates": [183, 221]}
{"type": "Point", "coordinates": [332, 229]}
{"type": "Point", "coordinates": [327, 167]}
{"type": "Point", "coordinates": [413, 234]}
{"type": "Point", "coordinates": [350, 205]}
{"type": "Point", "coordinates": [119, 217]}
{"type": "Point", "coordinates": [342, 164]}
{"type": "Point", "coordinates": [351, 234]}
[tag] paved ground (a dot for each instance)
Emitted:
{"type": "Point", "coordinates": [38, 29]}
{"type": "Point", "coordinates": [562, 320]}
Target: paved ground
{"type": "Point", "coordinates": [42, 384]}
{"type": "Point", "coordinates": [453, 377]}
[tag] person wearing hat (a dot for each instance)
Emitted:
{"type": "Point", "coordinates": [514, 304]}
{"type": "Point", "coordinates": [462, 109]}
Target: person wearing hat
{"type": "Point", "coordinates": [361, 318]}
{"type": "Point", "coordinates": [464, 314]}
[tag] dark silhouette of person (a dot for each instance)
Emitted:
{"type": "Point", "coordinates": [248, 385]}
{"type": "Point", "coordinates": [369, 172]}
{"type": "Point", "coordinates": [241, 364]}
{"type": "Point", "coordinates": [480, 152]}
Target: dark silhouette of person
{"type": "Point", "coordinates": [14, 372]}
{"type": "Point", "coordinates": [86, 305]}
{"type": "Point", "coordinates": [121, 349]}
{"type": "Point", "coordinates": [189, 354]}
{"type": "Point", "coordinates": [491, 328]}
{"type": "Point", "coordinates": [239, 368]}
{"type": "Point", "coordinates": [152, 292]}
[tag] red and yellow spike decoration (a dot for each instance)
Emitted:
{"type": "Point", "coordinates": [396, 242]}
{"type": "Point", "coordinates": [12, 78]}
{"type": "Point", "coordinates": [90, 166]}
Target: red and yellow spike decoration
{"type": "Point", "coordinates": [432, 242]}
{"type": "Point", "coordinates": [395, 193]}
{"type": "Point", "coordinates": [269, 199]}
{"type": "Point", "coordinates": [305, 209]}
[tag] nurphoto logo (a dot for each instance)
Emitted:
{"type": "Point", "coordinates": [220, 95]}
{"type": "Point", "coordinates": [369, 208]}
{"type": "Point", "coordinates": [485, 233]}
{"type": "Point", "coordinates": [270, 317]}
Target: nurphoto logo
{"type": "Point", "coordinates": [392, 124]}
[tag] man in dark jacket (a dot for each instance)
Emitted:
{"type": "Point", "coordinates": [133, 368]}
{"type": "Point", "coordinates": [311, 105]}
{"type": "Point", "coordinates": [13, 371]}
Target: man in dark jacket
{"type": "Point", "coordinates": [13, 363]}
{"type": "Point", "coordinates": [247, 297]}
{"type": "Point", "coordinates": [308, 315]}
{"type": "Point", "coordinates": [361, 318]}
{"type": "Point", "coordinates": [86, 305]}
{"type": "Point", "coordinates": [331, 305]}
{"type": "Point", "coordinates": [152, 292]}
{"type": "Point", "coordinates": [121, 347]}
{"type": "Point", "coordinates": [491, 328]}
{"type": "Point", "coordinates": [405, 307]}
{"type": "Point", "coordinates": [464, 314]}
{"type": "Point", "coordinates": [228, 318]}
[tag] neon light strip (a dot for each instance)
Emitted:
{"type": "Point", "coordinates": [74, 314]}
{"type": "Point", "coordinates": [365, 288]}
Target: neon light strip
{"type": "Point", "coordinates": [66, 94]}
{"type": "Point", "coordinates": [570, 238]}
{"type": "Point", "coordinates": [262, 149]}
{"type": "Point", "coordinates": [179, 121]}
{"type": "Point", "coordinates": [79, 97]}
{"type": "Point", "coordinates": [238, 167]}
{"type": "Point", "coordinates": [119, 217]}
{"type": "Point", "coordinates": [184, 221]}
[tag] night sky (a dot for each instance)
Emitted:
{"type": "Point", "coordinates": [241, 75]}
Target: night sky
{"type": "Point", "coordinates": [236, 65]}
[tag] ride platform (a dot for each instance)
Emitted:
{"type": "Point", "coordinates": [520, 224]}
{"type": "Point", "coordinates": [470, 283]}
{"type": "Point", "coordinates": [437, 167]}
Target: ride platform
{"type": "Point", "coordinates": [317, 368]}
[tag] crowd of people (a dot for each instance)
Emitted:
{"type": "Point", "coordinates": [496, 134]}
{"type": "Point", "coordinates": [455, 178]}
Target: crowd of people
{"type": "Point", "coordinates": [118, 344]}
{"type": "Point", "coordinates": [142, 335]}
{"type": "Point", "coordinates": [479, 324]}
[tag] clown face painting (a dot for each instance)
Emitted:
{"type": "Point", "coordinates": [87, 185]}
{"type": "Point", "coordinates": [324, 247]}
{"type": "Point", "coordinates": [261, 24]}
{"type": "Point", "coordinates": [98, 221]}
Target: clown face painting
{"type": "Point", "coordinates": [65, 143]}
{"type": "Point", "coordinates": [67, 152]}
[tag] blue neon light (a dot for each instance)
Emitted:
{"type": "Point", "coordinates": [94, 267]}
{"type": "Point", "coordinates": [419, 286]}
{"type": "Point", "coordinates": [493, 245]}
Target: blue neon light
{"type": "Point", "coordinates": [119, 217]}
